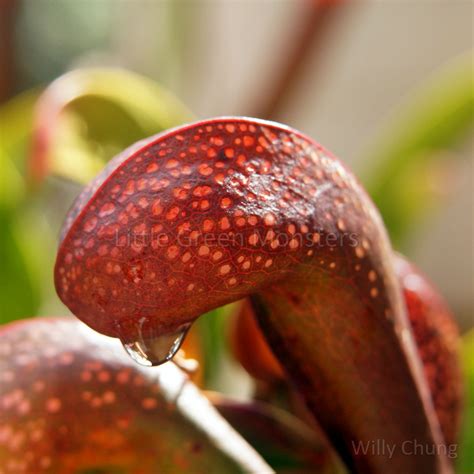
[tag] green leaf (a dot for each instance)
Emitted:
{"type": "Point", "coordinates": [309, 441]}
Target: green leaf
{"type": "Point", "coordinates": [212, 328]}
{"type": "Point", "coordinates": [465, 462]}
{"type": "Point", "coordinates": [87, 116]}
{"type": "Point", "coordinates": [19, 285]}
{"type": "Point", "coordinates": [412, 156]}
{"type": "Point", "coordinates": [12, 187]}
{"type": "Point", "coordinates": [19, 289]}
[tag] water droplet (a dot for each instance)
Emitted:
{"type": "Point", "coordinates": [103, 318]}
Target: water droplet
{"type": "Point", "coordinates": [156, 350]}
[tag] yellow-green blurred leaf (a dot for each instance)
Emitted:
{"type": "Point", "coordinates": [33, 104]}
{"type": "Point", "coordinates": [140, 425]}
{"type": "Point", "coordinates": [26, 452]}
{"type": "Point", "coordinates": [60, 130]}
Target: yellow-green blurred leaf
{"type": "Point", "coordinates": [11, 183]}
{"type": "Point", "coordinates": [16, 119]}
{"type": "Point", "coordinates": [87, 116]}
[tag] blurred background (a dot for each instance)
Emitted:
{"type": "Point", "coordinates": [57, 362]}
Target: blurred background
{"type": "Point", "coordinates": [386, 85]}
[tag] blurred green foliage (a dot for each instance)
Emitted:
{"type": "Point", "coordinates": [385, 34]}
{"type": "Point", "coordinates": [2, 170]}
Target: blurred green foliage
{"type": "Point", "coordinates": [465, 462]}
{"type": "Point", "coordinates": [212, 328]}
{"type": "Point", "coordinates": [411, 158]}
{"type": "Point", "coordinates": [20, 278]}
